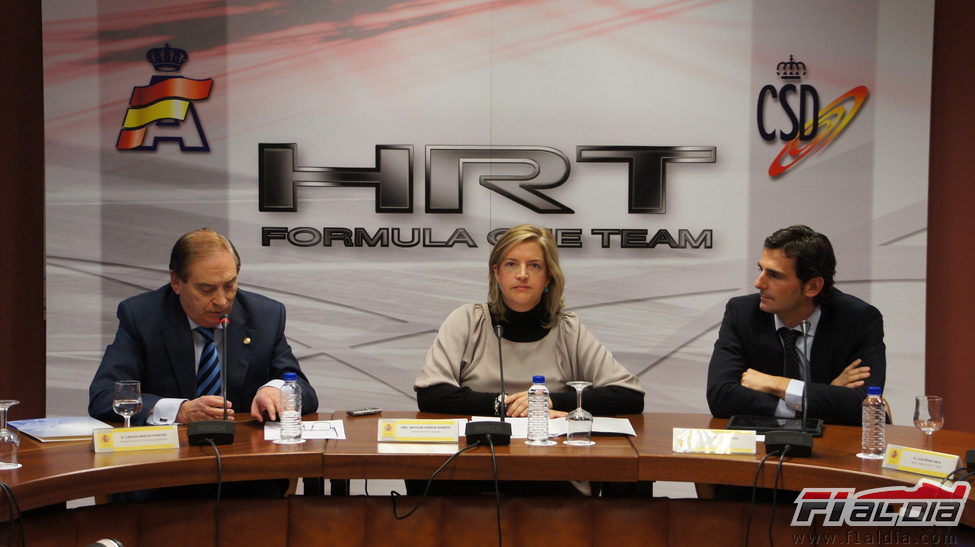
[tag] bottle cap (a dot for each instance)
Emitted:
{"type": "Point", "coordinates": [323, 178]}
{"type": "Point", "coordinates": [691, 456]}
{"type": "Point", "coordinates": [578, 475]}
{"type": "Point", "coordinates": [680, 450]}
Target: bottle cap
{"type": "Point", "coordinates": [290, 376]}
{"type": "Point", "coordinates": [874, 390]}
{"type": "Point", "coordinates": [538, 379]}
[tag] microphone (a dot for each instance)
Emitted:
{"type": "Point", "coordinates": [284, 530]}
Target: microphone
{"type": "Point", "coordinates": [499, 432]}
{"type": "Point", "coordinates": [107, 542]}
{"type": "Point", "coordinates": [218, 431]}
{"type": "Point", "coordinates": [804, 360]}
{"type": "Point", "coordinates": [224, 326]}
{"type": "Point", "coordinates": [499, 331]}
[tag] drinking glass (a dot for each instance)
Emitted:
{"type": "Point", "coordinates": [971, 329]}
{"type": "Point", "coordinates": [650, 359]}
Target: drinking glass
{"type": "Point", "coordinates": [579, 421]}
{"type": "Point", "coordinates": [128, 399]}
{"type": "Point", "coordinates": [929, 416]}
{"type": "Point", "coordinates": [9, 441]}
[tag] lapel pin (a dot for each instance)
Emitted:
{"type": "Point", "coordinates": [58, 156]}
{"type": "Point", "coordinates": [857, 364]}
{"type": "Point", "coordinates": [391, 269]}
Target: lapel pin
{"type": "Point", "coordinates": [247, 340]}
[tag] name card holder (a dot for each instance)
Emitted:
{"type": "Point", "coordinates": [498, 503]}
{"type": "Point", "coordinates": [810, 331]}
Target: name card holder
{"type": "Point", "coordinates": [417, 431]}
{"type": "Point", "coordinates": [922, 462]}
{"type": "Point", "coordinates": [713, 441]}
{"type": "Point", "coordinates": [126, 439]}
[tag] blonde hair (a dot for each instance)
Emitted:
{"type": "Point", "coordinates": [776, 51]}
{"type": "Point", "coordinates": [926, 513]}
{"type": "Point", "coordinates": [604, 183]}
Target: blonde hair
{"type": "Point", "coordinates": [552, 299]}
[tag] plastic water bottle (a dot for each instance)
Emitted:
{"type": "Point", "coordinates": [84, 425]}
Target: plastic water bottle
{"type": "Point", "coordinates": [290, 410]}
{"type": "Point", "coordinates": [538, 413]}
{"type": "Point", "coordinates": [873, 441]}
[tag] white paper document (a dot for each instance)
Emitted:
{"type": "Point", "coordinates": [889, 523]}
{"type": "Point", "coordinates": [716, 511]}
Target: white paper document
{"type": "Point", "coordinates": [324, 429]}
{"type": "Point", "coordinates": [616, 426]}
{"type": "Point", "coordinates": [557, 426]}
{"type": "Point", "coordinates": [64, 428]}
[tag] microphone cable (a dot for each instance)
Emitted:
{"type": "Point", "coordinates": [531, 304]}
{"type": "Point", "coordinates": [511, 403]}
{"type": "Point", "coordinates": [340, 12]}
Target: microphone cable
{"type": "Point", "coordinates": [219, 491]}
{"type": "Point", "coordinates": [16, 517]}
{"type": "Point", "coordinates": [934, 527]}
{"type": "Point", "coordinates": [497, 486]}
{"type": "Point", "coordinates": [751, 510]}
{"type": "Point", "coordinates": [775, 492]}
{"type": "Point", "coordinates": [426, 490]}
{"type": "Point", "coordinates": [955, 472]}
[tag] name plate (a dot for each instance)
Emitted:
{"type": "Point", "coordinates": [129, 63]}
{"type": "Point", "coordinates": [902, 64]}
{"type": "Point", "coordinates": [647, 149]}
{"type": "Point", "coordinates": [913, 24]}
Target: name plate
{"type": "Point", "coordinates": [713, 441]}
{"type": "Point", "coordinates": [922, 462]}
{"type": "Point", "coordinates": [125, 439]}
{"type": "Point", "coordinates": [417, 431]}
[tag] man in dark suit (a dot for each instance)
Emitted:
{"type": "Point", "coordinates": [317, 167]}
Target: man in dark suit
{"type": "Point", "coordinates": [754, 367]}
{"type": "Point", "coordinates": [158, 342]}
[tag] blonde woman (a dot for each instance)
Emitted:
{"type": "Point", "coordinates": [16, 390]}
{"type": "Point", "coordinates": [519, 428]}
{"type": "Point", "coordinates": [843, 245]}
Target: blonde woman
{"type": "Point", "coordinates": [525, 285]}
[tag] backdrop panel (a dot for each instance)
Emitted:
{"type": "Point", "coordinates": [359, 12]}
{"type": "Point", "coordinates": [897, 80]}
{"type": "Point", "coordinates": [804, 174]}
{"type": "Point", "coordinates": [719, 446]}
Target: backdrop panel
{"type": "Point", "coordinates": [458, 118]}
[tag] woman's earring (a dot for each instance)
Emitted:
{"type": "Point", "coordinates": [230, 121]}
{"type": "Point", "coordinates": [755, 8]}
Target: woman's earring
{"type": "Point", "coordinates": [546, 289]}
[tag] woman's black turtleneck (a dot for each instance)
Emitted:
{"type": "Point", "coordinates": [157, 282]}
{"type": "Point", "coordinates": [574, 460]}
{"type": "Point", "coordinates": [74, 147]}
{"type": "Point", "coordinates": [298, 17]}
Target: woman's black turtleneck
{"type": "Point", "coordinates": [523, 326]}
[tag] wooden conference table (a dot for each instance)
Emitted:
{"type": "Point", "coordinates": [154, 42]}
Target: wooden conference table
{"type": "Point", "coordinates": [57, 472]}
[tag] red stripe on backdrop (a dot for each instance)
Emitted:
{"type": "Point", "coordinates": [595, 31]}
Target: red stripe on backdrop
{"type": "Point", "coordinates": [181, 88]}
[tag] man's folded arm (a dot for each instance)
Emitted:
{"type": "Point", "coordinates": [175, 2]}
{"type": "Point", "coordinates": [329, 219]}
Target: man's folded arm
{"type": "Point", "coordinates": [842, 405]}
{"type": "Point", "coordinates": [726, 396]}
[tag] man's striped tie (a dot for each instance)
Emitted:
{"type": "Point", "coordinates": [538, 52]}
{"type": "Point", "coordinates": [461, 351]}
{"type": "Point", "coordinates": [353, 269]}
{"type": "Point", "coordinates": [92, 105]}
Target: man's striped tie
{"type": "Point", "coordinates": [208, 374]}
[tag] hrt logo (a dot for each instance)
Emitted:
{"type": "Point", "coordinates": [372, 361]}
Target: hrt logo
{"type": "Point", "coordinates": [926, 504]}
{"type": "Point", "coordinates": [520, 173]}
{"type": "Point", "coordinates": [163, 106]}
{"type": "Point", "coordinates": [804, 137]}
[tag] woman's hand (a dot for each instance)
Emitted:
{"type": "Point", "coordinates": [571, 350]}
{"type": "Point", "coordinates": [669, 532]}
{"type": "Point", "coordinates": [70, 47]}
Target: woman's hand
{"type": "Point", "coordinates": [517, 405]}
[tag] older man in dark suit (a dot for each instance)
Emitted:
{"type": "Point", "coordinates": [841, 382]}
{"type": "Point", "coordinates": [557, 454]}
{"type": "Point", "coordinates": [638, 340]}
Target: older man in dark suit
{"type": "Point", "coordinates": [166, 340]}
{"type": "Point", "coordinates": [754, 367]}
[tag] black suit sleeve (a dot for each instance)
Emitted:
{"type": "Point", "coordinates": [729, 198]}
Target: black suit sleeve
{"type": "Point", "coordinates": [862, 333]}
{"type": "Point", "coordinates": [283, 360]}
{"type": "Point", "coordinates": [450, 399]}
{"type": "Point", "coordinates": [124, 359]}
{"type": "Point", "coordinates": [726, 396]}
{"type": "Point", "coordinates": [601, 401]}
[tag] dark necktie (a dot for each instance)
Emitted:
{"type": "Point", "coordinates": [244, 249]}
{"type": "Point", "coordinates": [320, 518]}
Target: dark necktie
{"type": "Point", "coordinates": [791, 365]}
{"type": "Point", "coordinates": [208, 374]}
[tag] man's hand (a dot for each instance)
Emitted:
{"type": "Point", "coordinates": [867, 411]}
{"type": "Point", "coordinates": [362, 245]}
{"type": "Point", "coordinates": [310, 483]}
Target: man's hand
{"type": "Point", "coordinates": [268, 399]}
{"type": "Point", "coordinates": [766, 383]}
{"type": "Point", "coordinates": [208, 407]}
{"type": "Point", "coordinates": [517, 405]}
{"type": "Point", "coordinates": [852, 376]}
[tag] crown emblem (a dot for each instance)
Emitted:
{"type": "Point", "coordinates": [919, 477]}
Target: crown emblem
{"type": "Point", "coordinates": [791, 69]}
{"type": "Point", "coordinates": [167, 59]}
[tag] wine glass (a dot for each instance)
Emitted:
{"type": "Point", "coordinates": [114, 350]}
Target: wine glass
{"type": "Point", "coordinates": [579, 421]}
{"type": "Point", "coordinates": [9, 441]}
{"type": "Point", "coordinates": [128, 399]}
{"type": "Point", "coordinates": [929, 416]}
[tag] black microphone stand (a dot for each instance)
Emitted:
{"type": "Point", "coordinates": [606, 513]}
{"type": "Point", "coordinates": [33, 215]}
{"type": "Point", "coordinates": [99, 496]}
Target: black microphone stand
{"type": "Point", "coordinates": [218, 431]}
{"type": "Point", "coordinates": [499, 432]}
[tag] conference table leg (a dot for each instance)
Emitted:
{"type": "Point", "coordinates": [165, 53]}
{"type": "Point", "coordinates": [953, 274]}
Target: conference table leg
{"type": "Point", "coordinates": [340, 487]}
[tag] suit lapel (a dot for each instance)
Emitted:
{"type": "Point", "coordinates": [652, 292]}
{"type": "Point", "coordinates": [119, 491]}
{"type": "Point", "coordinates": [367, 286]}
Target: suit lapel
{"type": "Point", "coordinates": [771, 345]}
{"type": "Point", "coordinates": [819, 359]}
{"type": "Point", "coordinates": [239, 358]}
{"type": "Point", "coordinates": [178, 341]}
